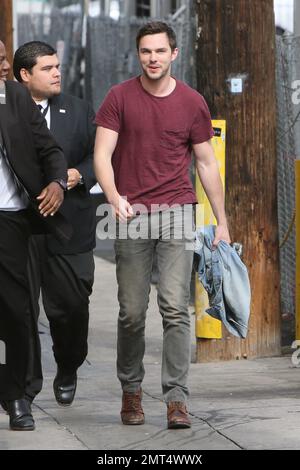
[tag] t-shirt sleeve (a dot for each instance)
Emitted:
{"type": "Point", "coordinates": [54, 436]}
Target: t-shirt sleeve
{"type": "Point", "coordinates": [108, 115]}
{"type": "Point", "coordinates": [201, 129]}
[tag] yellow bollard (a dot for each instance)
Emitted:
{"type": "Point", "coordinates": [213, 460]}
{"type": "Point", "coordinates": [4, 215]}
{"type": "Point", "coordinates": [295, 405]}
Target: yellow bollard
{"type": "Point", "coordinates": [206, 326]}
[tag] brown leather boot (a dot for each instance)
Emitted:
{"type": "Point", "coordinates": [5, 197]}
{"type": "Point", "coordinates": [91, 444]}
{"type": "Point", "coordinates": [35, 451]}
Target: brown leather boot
{"type": "Point", "coordinates": [132, 411]}
{"type": "Point", "coordinates": [178, 415]}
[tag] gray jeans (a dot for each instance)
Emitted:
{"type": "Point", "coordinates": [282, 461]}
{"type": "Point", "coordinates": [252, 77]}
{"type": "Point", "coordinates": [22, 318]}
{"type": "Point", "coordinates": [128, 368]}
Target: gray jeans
{"type": "Point", "coordinates": [134, 259]}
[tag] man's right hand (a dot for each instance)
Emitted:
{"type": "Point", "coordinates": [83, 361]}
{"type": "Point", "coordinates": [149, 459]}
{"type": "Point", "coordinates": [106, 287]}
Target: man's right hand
{"type": "Point", "coordinates": [122, 209]}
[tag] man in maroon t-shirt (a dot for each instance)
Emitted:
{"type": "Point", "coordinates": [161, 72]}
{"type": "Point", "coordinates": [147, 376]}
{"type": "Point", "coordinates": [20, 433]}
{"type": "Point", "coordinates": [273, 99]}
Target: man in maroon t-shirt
{"type": "Point", "coordinates": [147, 128]}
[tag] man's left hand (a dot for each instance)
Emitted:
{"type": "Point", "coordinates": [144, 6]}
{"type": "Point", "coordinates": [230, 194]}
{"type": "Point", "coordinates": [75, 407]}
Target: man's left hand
{"type": "Point", "coordinates": [73, 178]}
{"type": "Point", "coordinates": [52, 197]}
{"type": "Point", "coordinates": [221, 233]}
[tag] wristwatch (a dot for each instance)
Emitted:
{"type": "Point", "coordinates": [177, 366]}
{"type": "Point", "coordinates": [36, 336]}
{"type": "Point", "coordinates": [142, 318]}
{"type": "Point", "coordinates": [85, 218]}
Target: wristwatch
{"type": "Point", "coordinates": [80, 179]}
{"type": "Point", "coordinates": [62, 183]}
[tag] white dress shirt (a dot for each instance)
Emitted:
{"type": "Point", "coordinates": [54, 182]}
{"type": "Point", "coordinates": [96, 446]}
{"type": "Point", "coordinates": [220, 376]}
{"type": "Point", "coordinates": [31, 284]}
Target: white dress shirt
{"type": "Point", "coordinates": [11, 197]}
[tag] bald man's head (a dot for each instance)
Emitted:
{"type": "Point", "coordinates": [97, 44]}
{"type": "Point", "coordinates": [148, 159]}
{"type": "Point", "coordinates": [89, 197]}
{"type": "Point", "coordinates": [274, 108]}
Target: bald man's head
{"type": "Point", "coordinates": [4, 64]}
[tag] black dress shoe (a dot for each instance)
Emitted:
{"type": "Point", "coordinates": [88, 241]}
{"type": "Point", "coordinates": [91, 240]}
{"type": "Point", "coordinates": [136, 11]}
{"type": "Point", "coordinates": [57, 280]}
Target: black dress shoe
{"type": "Point", "coordinates": [64, 387]}
{"type": "Point", "coordinates": [20, 417]}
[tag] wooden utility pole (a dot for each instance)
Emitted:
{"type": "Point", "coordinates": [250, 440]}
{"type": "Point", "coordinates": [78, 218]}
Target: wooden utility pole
{"type": "Point", "coordinates": [236, 75]}
{"type": "Point", "coordinates": [6, 28]}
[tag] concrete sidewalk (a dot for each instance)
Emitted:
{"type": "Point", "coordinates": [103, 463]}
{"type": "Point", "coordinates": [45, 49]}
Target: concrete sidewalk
{"type": "Point", "coordinates": [234, 405]}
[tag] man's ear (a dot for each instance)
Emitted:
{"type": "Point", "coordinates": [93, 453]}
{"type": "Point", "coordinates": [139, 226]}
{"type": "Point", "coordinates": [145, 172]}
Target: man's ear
{"type": "Point", "coordinates": [174, 53]}
{"type": "Point", "coordinates": [24, 75]}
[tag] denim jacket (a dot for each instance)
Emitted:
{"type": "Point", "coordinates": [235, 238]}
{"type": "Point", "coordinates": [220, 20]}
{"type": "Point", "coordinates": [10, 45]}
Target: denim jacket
{"type": "Point", "coordinates": [225, 278]}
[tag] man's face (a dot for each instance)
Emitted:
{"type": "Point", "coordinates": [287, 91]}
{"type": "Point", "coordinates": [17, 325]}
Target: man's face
{"type": "Point", "coordinates": [4, 64]}
{"type": "Point", "coordinates": [156, 56]}
{"type": "Point", "coordinates": [44, 79]}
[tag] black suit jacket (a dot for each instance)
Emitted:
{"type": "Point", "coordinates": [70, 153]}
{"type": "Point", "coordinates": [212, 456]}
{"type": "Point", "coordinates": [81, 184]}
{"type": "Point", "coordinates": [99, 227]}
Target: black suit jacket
{"type": "Point", "coordinates": [71, 124]}
{"type": "Point", "coordinates": [33, 154]}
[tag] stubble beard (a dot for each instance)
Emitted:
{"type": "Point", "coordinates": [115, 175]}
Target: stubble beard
{"type": "Point", "coordinates": [157, 77]}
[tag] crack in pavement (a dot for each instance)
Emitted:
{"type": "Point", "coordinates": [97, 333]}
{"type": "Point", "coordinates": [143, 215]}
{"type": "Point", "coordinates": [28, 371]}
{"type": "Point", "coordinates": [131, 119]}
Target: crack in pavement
{"type": "Point", "coordinates": [214, 429]}
{"type": "Point", "coordinates": [61, 425]}
{"type": "Point", "coordinates": [133, 445]}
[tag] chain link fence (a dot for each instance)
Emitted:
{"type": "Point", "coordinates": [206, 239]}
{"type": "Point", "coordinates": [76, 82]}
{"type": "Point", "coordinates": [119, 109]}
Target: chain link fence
{"type": "Point", "coordinates": [64, 32]}
{"type": "Point", "coordinates": [98, 52]}
{"type": "Point", "coordinates": [288, 149]}
{"type": "Point", "coordinates": [111, 53]}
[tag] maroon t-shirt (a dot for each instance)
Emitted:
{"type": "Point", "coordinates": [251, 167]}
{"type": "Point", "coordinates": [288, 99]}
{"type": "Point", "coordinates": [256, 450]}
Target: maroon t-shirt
{"type": "Point", "coordinates": [153, 153]}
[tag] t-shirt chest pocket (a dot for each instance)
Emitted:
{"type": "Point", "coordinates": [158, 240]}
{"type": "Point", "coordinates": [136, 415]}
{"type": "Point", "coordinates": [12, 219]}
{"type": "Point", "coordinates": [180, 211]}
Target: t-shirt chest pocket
{"type": "Point", "coordinates": [173, 139]}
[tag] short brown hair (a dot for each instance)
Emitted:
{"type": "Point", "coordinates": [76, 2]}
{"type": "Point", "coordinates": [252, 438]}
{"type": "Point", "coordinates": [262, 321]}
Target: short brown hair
{"type": "Point", "coordinates": [156, 27]}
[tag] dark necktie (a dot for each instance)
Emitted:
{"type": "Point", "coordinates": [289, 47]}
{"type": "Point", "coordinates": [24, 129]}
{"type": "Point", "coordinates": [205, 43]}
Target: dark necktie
{"type": "Point", "coordinates": [43, 110]}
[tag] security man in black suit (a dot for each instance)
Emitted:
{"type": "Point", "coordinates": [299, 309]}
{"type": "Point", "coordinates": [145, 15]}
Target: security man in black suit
{"type": "Point", "coordinates": [33, 173]}
{"type": "Point", "coordinates": [64, 274]}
